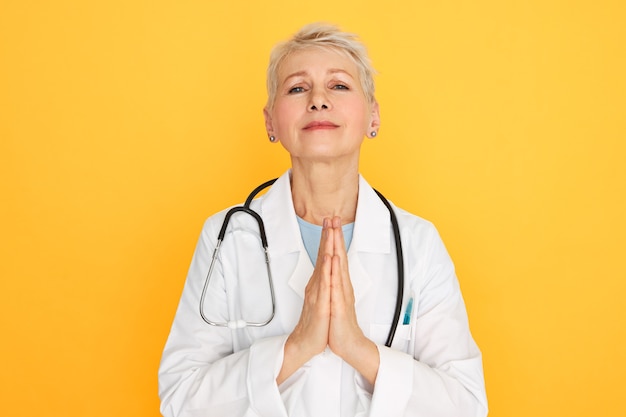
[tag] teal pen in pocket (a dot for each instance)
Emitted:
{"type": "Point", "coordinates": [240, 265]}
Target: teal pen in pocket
{"type": "Point", "coordinates": [407, 312]}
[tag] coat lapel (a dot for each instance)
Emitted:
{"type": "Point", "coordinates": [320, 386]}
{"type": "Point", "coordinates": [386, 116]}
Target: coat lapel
{"type": "Point", "coordinates": [371, 235]}
{"type": "Point", "coordinates": [290, 262]}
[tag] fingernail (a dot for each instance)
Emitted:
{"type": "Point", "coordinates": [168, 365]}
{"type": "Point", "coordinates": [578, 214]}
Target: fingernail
{"type": "Point", "coordinates": [325, 223]}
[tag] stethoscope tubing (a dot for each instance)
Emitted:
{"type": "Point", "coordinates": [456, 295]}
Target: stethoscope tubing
{"type": "Point", "coordinates": [400, 261]}
{"type": "Point", "coordinates": [238, 324]}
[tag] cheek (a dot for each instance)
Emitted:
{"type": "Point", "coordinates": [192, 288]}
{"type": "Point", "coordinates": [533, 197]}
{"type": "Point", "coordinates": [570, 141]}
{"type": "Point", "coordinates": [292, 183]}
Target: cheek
{"type": "Point", "coordinates": [284, 116]}
{"type": "Point", "coordinates": [361, 117]}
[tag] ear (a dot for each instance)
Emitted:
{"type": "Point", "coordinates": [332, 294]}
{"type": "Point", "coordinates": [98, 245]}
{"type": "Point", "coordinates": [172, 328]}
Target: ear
{"type": "Point", "coordinates": [269, 127]}
{"type": "Point", "coordinates": [374, 117]}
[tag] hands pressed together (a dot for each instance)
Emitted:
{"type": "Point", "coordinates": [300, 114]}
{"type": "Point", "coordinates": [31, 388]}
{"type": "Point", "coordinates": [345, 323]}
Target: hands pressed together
{"type": "Point", "coordinates": [328, 315]}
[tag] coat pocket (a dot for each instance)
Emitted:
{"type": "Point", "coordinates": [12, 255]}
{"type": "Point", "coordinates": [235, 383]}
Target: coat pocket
{"type": "Point", "coordinates": [401, 339]}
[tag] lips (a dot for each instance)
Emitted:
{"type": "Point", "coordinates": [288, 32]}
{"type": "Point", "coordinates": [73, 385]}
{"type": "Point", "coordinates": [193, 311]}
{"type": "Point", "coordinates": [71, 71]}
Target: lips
{"type": "Point", "coordinates": [320, 124]}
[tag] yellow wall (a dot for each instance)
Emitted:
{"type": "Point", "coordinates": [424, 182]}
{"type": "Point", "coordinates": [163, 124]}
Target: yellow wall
{"type": "Point", "coordinates": [123, 124]}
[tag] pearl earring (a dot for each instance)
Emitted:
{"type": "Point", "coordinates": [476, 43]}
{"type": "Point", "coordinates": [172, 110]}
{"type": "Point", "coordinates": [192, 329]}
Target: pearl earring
{"type": "Point", "coordinates": [373, 134]}
{"type": "Point", "coordinates": [272, 139]}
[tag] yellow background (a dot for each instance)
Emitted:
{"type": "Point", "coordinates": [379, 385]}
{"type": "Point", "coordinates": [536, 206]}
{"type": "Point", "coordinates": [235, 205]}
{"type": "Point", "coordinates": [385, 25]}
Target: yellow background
{"type": "Point", "coordinates": [124, 124]}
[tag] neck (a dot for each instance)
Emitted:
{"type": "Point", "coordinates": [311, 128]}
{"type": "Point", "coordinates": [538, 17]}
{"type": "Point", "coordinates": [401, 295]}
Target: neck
{"type": "Point", "coordinates": [321, 190]}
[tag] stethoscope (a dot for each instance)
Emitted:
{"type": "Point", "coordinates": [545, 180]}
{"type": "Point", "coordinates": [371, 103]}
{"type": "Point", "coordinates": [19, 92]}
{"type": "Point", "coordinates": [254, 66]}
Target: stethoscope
{"type": "Point", "coordinates": [239, 324]}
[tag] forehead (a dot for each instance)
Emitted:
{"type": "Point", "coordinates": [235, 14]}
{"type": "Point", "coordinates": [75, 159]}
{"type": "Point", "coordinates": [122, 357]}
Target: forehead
{"type": "Point", "coordinates": [315, 60]}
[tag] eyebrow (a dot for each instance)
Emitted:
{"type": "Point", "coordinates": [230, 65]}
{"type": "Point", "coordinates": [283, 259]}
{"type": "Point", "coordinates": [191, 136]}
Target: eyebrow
{"type": "Point", "coordinates": [330, 71]}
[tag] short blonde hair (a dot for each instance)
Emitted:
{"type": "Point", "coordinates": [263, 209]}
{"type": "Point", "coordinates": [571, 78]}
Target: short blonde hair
{"type": "Point", "coordinates": [322, 35]}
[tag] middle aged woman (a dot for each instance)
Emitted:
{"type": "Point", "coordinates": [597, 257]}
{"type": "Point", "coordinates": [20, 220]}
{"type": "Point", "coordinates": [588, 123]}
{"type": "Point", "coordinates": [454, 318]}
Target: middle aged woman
{"type": "Point", "coordinates": [334, 272]}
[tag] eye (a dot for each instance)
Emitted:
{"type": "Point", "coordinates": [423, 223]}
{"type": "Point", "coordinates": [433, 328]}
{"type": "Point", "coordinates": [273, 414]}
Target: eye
{"type": "Point", "coordinates": [296, 90]}
{"type": "Point", "coordinates": [340, 87]}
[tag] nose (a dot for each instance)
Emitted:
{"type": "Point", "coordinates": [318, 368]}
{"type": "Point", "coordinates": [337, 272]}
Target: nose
{"type": "Point", "coordinates": [322, 107]}
{"type": "Point", "coordinates": [318, 101]}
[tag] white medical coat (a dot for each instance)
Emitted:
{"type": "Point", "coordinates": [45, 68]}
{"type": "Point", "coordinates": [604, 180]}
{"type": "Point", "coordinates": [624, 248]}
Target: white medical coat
{"type": "Point", "coordinates": [433, 368]}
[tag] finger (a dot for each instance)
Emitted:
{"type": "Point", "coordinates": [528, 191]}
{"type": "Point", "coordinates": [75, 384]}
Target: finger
{"type": "Point", "coordinates": [325, 279]}
{"type": "Point", "coordinates": [326, 239]}
{"type": "Point", "coordinates": [341, 300]}
{"type": "Point", "coordinates": [318, 289]}
{"type": "Point", "coordinates": [328, 243]}
{"type": "Point", "coordinates": [339, 245]}
{"type": "Point", "coordinates": [311, 332]}
{"type": "Point", "coordinates": [341, 285]}
{"type": "Point", "coordinates": [337, 286]}
{"type": "Point", "coordinates": [336, 222]}
{"type": "Point", "coordinates": [341, 267]}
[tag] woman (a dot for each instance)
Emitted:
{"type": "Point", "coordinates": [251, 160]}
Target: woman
{"type": "Point", "coordinates": [334, 268]}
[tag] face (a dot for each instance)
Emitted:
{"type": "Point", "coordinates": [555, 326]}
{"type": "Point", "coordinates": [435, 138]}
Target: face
{"type": "Point", "coordinates": [320, 112]}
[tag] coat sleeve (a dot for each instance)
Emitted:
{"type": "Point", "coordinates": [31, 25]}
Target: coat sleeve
{"type": "Point", "coordinates": [201, 373]}
{"type": "Point", "coordinates": [445, 375]}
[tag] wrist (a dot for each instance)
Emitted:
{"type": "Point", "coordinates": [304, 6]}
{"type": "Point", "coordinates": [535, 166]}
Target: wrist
{"type": "Point", "coordinates": [294, 356]}
{"type": "Point", "coordinates": [364, 357]}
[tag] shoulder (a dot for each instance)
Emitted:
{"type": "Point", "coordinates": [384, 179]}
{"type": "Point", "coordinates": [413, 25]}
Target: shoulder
{"type": "Point", "coordinates": [418, 233]}
{"type": "Point", "coordinates": [270, 199]}
{"type": "Point", "coordinates": [407, 221]}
